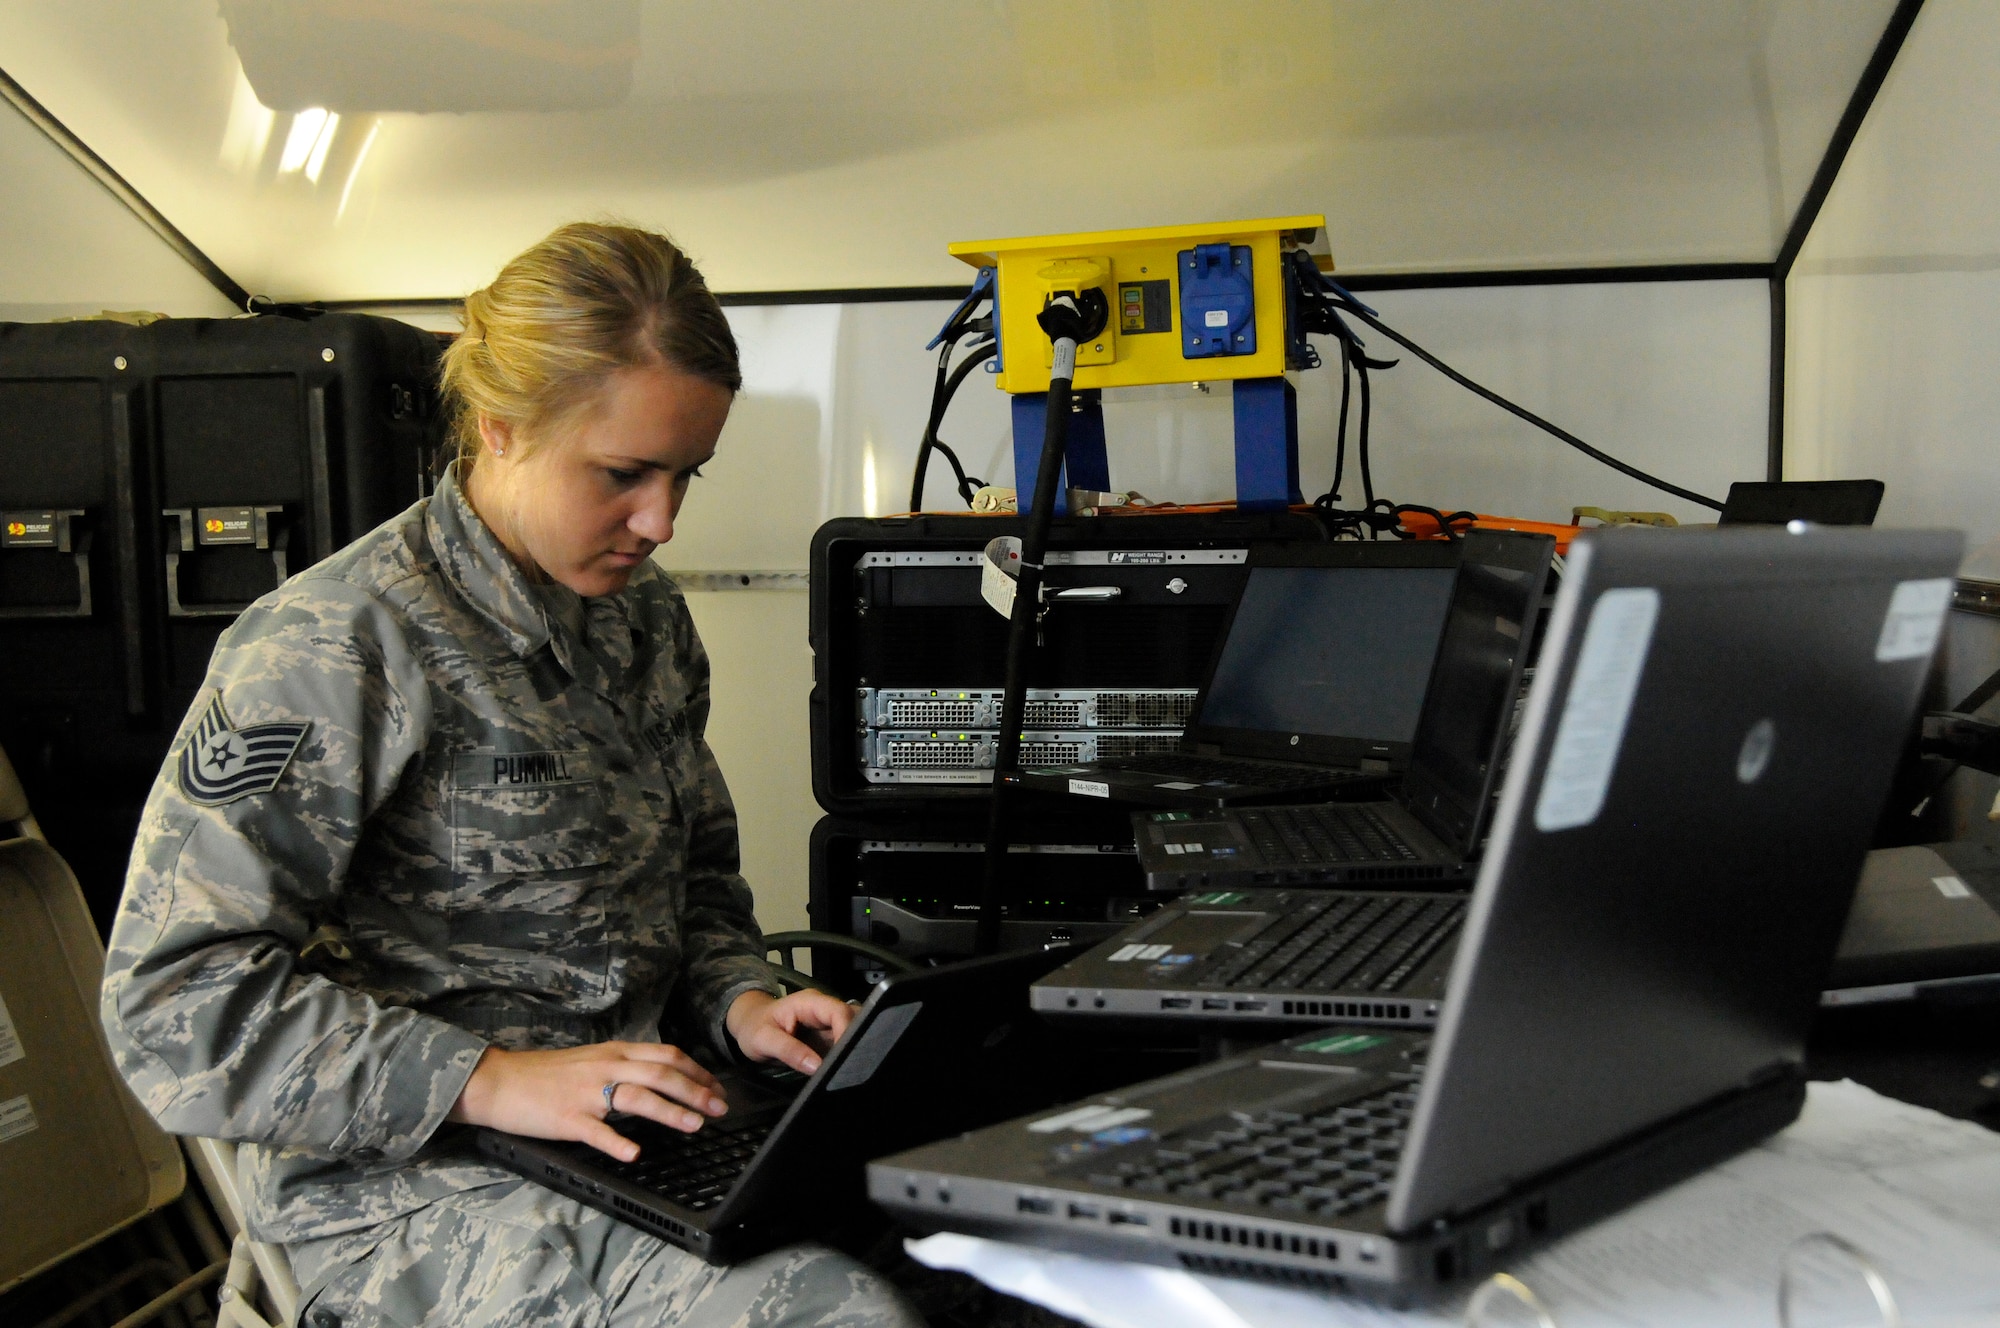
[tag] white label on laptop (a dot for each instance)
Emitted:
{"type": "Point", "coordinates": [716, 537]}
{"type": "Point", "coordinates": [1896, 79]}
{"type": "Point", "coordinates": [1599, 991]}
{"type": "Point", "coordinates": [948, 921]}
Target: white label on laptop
{"type": "Point", "coordinates": [1123, 953]}
{"type": "Point", "coordinates": [10, 1038]}
{"type": "Point", "coordinates": [1174, 850]}
{"type": "Point", "coordinates": [1090, 788]}
{"type": "Point", "coordinates": [17, 1117]}
{"type": "Point", "coordinates": [877, 1041]}
{"type": "Point", "coordinates": [1088, 1120]}
{"type": "Point", "coordinates": [1599, 704]}
{"type": "Point", "coordinates": [1916, 617]}
{"type": "Point", "coordinates": [1948, 886]}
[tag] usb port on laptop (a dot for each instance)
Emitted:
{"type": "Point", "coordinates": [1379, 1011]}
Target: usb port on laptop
{"type": "Point", "coordinates": [1176, 1003]}
{"type": "Point", "coordinates": [1028, 1203]}
{"type": "Point", "coordinates": [1211, 1003]}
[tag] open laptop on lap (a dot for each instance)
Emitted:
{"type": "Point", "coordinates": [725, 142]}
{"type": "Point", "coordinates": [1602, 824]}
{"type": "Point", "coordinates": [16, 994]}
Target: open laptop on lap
{"type": "Point", "coordinates": [1714, 723]}
{"type": "Point", "coordinates": [1315, 689]}
{"type": "Point", "coordinates": [929, 1054]}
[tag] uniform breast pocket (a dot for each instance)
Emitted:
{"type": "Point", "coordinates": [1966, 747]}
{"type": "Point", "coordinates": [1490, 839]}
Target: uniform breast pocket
{"type": "Point", "coordinates": [526, 813]}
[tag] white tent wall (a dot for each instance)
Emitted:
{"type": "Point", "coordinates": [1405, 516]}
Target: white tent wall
{"type": "Point", "coordinates": [1671, 376]}
{"type": "Point", "coordinates": [1894, 340]}
{"type": "Point", "coordinates": [69, 248]}
{"type": "Point", "coordinates": [1893, 369]}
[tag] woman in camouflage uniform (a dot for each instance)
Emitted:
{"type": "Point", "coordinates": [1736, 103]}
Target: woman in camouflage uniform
{"type": "Point", "coordinates": [441, 844]}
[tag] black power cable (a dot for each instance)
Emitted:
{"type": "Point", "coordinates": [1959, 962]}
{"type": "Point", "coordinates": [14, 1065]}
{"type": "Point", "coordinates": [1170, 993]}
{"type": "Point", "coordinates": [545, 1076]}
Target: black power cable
{"type": "Point", "coordinates": [1332, 495]}
{"type": "Point", "coordinates": [1068, 318]}
{"type": "Point", "coordinates": [948, 380]}
{"type": "Point", "coordinates": [1320, 297]}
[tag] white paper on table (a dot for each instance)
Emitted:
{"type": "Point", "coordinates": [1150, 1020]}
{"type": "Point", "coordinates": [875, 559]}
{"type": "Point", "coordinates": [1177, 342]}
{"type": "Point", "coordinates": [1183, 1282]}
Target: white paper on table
{"type": "Point", "coordinates": [1917, 1191]}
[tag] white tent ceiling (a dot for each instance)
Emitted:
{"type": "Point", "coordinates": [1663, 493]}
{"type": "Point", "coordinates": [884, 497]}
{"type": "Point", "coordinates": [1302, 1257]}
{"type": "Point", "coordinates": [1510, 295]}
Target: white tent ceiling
{"type": "Point", "coordinates": [816, 144]}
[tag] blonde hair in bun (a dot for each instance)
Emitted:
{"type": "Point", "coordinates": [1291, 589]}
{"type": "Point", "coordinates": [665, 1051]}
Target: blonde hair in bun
{"type": "Point", "coordinates": [590, 300]}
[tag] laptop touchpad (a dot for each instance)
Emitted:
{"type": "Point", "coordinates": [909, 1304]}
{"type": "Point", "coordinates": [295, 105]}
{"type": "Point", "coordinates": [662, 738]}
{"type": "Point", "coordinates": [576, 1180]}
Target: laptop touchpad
{"type": "Point", "coordinates": [1200, 931]}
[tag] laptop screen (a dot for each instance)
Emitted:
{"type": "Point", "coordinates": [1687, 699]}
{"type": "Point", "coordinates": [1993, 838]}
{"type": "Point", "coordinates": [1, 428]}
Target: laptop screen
{"type": "Point", "coordinates": [1487, 634]}
{"type": "Point", "coordinates": [1330, 652]}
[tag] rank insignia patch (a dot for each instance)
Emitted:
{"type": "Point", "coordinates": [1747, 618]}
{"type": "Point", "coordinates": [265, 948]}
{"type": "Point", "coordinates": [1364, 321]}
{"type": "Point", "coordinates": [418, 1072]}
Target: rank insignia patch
{"type": "Point", "coordinates": [222, 763]}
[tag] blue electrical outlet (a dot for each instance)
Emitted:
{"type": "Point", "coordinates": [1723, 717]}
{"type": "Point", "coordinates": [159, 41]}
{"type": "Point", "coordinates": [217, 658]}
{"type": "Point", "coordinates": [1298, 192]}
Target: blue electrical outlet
{"type": "Point", "coordinates": [1218, 304]}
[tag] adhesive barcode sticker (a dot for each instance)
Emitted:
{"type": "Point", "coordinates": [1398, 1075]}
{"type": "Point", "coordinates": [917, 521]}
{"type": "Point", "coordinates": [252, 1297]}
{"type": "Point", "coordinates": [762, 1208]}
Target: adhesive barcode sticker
{"type": "Point", "coordinates": [10, 1038]}
{"type": "Point", "coordinates": [17, 1117]}
{"type": "Point", "coordinates": [1914, 621]}
{"type": "Point", "coordinates": [1599, 703]}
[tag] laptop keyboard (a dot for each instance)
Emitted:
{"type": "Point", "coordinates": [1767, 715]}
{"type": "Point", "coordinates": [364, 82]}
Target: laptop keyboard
{"type": "Point", "coordinates": [1205, 769]}
{"type": "Point", "coordinates": [1333, 833]}
{"type": "Point", "coordinates": [694, 1170]}
{"type": "Point", "coordinates": [1339, 942]}
{"type": "Point", "coordinates": [1329, 1163]}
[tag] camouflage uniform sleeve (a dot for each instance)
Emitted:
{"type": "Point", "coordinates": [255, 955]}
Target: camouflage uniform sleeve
{"type": "Point", "coordinates": [212, 1017]}
{"type": "Point", "coordinates": [722, 945]}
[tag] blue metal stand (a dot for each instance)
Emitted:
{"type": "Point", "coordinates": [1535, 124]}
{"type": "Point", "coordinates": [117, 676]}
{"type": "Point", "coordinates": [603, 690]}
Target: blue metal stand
{"type": "Point", "coordinates": [1085, 465]}
{"type": "Point", "coordinates": [1267, 444]}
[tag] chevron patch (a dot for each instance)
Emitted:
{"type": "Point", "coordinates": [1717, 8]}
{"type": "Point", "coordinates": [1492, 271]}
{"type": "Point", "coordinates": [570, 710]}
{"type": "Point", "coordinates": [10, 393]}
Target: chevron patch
{"type": "Point", "coordinates": [222, 763]}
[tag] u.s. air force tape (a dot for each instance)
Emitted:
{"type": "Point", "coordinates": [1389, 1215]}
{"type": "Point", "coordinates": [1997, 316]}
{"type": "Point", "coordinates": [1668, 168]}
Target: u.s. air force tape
{"type": "Point", "coordinates": [222, 763]}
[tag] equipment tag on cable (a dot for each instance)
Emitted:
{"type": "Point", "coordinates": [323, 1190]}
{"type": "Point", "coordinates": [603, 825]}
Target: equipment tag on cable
{"type": "Point", "coordinates": [997, 573]}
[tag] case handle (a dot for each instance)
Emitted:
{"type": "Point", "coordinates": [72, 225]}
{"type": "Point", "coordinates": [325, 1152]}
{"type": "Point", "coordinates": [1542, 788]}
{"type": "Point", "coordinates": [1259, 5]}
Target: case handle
{"type": "Point", "coordinates": [197, 527]}
{"type": "Point", "coordinates": [50, 529]}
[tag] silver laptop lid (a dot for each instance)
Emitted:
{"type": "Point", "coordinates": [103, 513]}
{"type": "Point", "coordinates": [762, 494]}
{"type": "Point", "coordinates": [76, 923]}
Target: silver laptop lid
{"type": "Point", "coordinates": [1709, 739]}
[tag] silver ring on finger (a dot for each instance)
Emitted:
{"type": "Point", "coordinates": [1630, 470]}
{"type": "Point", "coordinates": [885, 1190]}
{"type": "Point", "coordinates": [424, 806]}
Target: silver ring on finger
{"type": "Point", "coordinates": [609, 1090]}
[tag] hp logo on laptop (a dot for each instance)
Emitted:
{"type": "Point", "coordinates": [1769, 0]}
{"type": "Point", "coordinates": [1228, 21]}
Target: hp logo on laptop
{"type": "Point", "coordinates": [1755, 756]}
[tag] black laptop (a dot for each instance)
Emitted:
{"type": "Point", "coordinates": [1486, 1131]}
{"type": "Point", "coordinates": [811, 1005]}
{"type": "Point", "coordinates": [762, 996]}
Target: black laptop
{"type": "Point", "coordinates": [929, 1054]}
{"type": "Point", "coordinates": [1823, 502]}
{"type": "Point", "coordinates": [1925, 923]}
{"type": "Point", "coordinates": [1429, 830]}
{"type": "Point", "coordinates": [1315, 688]}
{"type": "Point", "coordinates": [1712, 729]}
{"type": "Point", "coordinates": [1380, 954]}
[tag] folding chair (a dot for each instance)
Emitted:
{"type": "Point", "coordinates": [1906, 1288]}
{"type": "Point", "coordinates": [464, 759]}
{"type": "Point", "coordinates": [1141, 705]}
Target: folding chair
{"type": "Point", "coordinates": [789, 943]}
{"type": "Point", "coordinates": [79, 1157]}
{"type": "Point", "coordinates": [254, 1265]}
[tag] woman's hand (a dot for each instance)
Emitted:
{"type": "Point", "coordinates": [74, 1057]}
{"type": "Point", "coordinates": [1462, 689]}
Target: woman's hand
{"type": "Point", "coordinates": [770, 1028]}
{"type": "Point", "coordinates": [560, 1094]}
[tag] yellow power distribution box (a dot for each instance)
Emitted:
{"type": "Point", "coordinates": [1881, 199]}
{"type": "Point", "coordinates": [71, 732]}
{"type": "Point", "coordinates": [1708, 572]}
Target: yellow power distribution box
{"type": "Point", "coordinates": [1188, 303]}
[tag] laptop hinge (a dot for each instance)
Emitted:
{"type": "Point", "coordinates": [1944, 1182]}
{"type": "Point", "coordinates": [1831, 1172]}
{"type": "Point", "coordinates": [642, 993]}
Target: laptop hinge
{"type": "Point", "coordinates": [1772, 1073]}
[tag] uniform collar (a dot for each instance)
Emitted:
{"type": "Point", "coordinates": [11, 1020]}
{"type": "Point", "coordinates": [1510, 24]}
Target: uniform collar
{"type": "Point", "coordinates": [481, 570]}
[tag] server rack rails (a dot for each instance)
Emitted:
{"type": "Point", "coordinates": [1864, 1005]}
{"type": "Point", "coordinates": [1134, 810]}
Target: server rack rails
{"type": "Point", "coordinates": [153, 481]}
{"type": "Point", "coordinates": [908, 658]}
